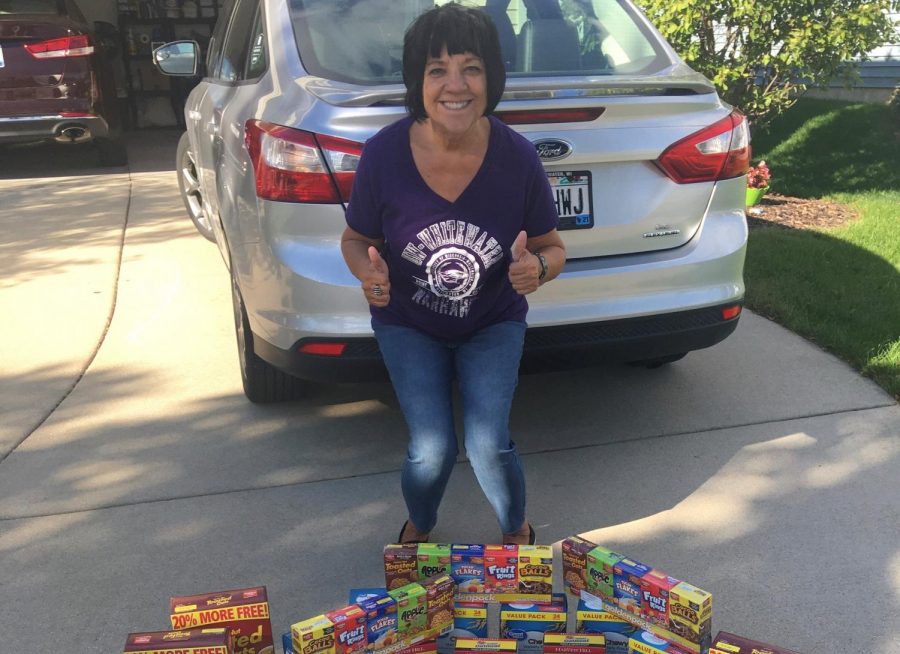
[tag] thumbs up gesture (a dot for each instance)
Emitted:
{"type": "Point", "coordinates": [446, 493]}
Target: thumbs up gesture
{"type": "Point", "coordinates": [525, 267]}
{"type": "Point", "coordinates": [376, 283]}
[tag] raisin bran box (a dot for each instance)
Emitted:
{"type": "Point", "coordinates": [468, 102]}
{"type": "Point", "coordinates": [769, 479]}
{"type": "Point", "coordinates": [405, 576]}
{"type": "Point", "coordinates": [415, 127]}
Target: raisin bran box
{"type": "Point", "coordinates": [401, 565]}
{"type": "Point", "coordinates": [527, 623]}
{"type": "Point", "coordinates": [412, 609]}
{"type": "Point", "coordinates": [501, 569]}
{"type": "Point", "coordinates": [432, 559]}
{"type": "Point", "coordinates": [207, 640]}
{"type": "Point", "coordinates": [467, 567]}
{"type": "Point", "coordinates": [627, 575]}
{"type": "Point", "coordinates": [245, 611]}
{"type": "Point", "coordinates": [574, 644]}
{"type": "Point", "coordinates": [349, 629]}
{"type": "Point", "coordinates": [381, 620]}
{"type": "Point", "coordinates": [313, 636]}
{"type": "Point", "coordinates": [644, 642]}
{"type": "Point", "coordinates": [470, 620]}
{"type": "Point", "coordinates": [486, 646]}
{"type": "Point", "coordinates": [690, 612]}
{"type": "Point", "coordinates": [599, 575]}
{"type": "Point", "coordinates": [655, 588]}
{"type": "Point", "coordinates": [574, 560]}
{"type": "Point", "coordinates": [726, 643]}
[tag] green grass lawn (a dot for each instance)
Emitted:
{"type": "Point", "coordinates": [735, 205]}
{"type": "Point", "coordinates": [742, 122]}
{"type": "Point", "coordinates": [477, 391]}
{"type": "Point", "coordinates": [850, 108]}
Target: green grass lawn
{"type": "Point", "coordinates": [840, 287]}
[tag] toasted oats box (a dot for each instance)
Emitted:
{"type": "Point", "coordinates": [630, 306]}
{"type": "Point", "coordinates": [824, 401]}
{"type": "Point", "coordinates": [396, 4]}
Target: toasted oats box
{"type": "Point", "coordinates": [599, 576]}
{"type": "Point", "coordinates": [470, 620]}
{"type": "Point", "coordinates": [412, 608]}
{"type": "Point", "coordinates": [535, 569]}
{"type": "Point", "coordinates": [206, 640]}
{"type": "Point", "coordinates": [432, 559]}
{"type": "Point", "coordinates": [627, 575]}
{"type": "Point", "coordinates": [655, 588]}
{"type": "Point", "coordinates": [574, 644]}
{"type": "Point", "coordinates": [313, 636]}
{"type": "Point", "coordinates": [574, 559]}
{"type": "Point", "coordinates": [726, 643]}
{"type": "Point", "coordinates": [440, 591]}
{"type": "Point", "coordinates": [401, 565]}
{"type": "Point", "coordinates": [486, 645]}
{"type": "Point", "coordinates": [349, 629]}
{"type": "Point", "coordinates": [501, 568]}
{"type": "Point", "coordinates": [245, 611]}
{"type": "Point", "coordinates": [381, 620]}
{"type": "Point", "coordinates": [644, 642]}
{"type": "Point", "coordinates": [467, 567]}
{"type": "Point", "coordinates": [527, 623]}
{"type": "Point", "coordinates": [690, 612]}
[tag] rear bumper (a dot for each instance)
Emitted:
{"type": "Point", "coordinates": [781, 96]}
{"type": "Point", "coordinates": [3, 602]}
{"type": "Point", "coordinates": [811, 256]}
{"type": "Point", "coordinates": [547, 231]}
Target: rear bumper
{"type": "Point", "coordinates": [546, 348]}
{"type": "Point", "coordinates": [46, 127]}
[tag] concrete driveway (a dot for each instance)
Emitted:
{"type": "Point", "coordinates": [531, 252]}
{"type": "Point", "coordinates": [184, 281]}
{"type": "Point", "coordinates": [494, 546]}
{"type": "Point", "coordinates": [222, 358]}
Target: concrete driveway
{"type": "Point", "coordinates": [132, 468]}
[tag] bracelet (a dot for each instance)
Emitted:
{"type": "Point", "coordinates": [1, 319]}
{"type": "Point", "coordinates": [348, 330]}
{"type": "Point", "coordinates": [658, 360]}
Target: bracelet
{"type": "Point", "coordinates": [543, 266]}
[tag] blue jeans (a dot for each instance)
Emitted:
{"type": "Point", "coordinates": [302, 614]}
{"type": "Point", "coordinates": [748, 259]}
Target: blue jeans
{"type": "Point", "coordinates": [486, 367]}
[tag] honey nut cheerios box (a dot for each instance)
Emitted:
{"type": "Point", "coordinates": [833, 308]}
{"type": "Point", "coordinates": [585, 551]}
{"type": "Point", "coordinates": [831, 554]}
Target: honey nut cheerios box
{"type": "Point", "coordinates": [244, 610]}
{"type": "Point", "coordinates": [726, 643]}
{"type": "Point", "coordinates": [313, 636]}
{"type": "Point", "coordinates": [208, 640]}
{"type": "Point", "coordinates": [486, 646]}
{"type": "Point", "coordinates": [574, 644]}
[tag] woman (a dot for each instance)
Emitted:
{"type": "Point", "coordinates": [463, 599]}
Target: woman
{"type": "Point", "coordinates": [451, 222]}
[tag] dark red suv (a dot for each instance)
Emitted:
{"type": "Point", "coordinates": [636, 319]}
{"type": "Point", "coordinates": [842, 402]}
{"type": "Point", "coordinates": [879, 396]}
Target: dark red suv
{"type": "Point", "coordinates": [56, 78]}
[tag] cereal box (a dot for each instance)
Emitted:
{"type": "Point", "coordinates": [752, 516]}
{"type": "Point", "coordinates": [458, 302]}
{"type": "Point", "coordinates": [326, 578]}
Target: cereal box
{"type": "Point", "coordinates": [574, 559]}
{"type": "Point", "coordinates": [358, 595]}
{"type": "Point", "coordinates": [432, 559]}
{"type": "Point", "coordinates": [501, 568]}
{"type": "Point", "coordinates": [599, 576]}
{"type": "Point", "coordinates": [440, 591]}
{"type": "Point", "coordinates": [245, 611]}
{"type": "Point", "coordinates": [313, 636]}
{"type": "Point", "coordinates": [535, 569]}
{"type": "Point", "coordinates": [644, 642]}
{"type": "Point", "coordinates": [470, 620]}
{"type": "Point", "coordinates": [286, 645]}
{"type": "Point", "coordinates": [574, 644]}
{"type": "Point", "coordinates": [208, 640]}
{"type": "Point", "coordinates": [467, 567]}
{"type": "Point", "coordinates": [627, 575]}
{"type": "Point", "coordinates": [655, 588]}
{"type": "Point", "coordinates": [401, 565]}
{"type": "Point", "coordinates": [486, 645]}
{"type": "Point", "coordinates": [527, 623]}
{"type": "Point", "coordinates": [690, 612]}
{"type": "Point", "coordinates": [425, 647]}
{"type": "Point", "coordinates": [349, 629]}
{"type": "Point", "coordinates": [381, 620]}
{"type": "Point", "coordinates": [725, 643]}
{"type": "Point", "coordinates": [591, 618]}
{"type": "Point", "coordinates": [412, 609]}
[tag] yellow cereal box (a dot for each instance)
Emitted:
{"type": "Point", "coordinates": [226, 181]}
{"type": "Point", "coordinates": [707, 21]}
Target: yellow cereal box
{"type": "Point", "coordinates": [313, 636]}
{"type": "Point", "coordinates": [535, 569]}
{"type": "Point", "coordinates": [690, 612]}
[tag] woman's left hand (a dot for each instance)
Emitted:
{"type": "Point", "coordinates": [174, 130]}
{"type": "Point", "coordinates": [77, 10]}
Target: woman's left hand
{"type": "Point", "coordinates": [525, 268]}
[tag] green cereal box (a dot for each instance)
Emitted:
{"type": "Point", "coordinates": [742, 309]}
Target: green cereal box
{"type": "Point", "coordinates": [412, 608]}
{"type": "Point", "coordinates": [600, 563]}
{"type": "Point", "coordinates": [433, 559]}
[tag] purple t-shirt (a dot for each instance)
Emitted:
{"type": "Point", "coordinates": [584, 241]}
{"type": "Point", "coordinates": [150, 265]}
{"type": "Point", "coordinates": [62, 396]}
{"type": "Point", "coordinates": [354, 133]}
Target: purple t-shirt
{"type": "Point", "coordinates": [449, 261]}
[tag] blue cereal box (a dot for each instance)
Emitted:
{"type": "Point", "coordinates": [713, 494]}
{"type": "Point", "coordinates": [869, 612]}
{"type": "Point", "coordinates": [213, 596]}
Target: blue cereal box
{"type": "Point", "coordinates": [590, 618]}
{"type": "Point", "coordinates": [469, 621]}
{"type": "Point", "coordinates": [527, 623]}
{"type": "Point", "coordinates": [627, 575]}
{"type": "Point", "coordinates": [381, 620]}
{"type": "Point", "coordinates": [467, 567]}
{"type": "Point", "coordinates": [358, 595]}
{"type": "Point", "coordinates": [286, 643]}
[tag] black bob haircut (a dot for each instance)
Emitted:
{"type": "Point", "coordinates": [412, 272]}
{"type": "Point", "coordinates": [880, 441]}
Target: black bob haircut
{"type": "Point", "coordinates": [461, 29]}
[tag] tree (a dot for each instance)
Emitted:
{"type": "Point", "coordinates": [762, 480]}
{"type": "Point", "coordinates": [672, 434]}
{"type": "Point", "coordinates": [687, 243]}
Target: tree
{"type": "Point", "coordinates": [762, 55]}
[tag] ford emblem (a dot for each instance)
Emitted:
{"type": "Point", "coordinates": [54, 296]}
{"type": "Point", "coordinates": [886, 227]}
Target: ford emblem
{"type": "Point", "coordinates": [552, 149]}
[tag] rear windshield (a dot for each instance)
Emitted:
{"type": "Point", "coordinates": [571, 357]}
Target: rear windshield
{"type": "Point", "coordinates": [361, 41]}
{"type": "Point", "coordinates": [29, 7]}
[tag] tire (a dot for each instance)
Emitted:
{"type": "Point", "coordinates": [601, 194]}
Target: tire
{"type": "Point", "coordinates": [263, 382]}
{"type": "Point", "coordinates": [189, 185]}
{"type": "Point", "coordinates": [652, 364]}
{"type": "Point", "coordinates": [112, 152]}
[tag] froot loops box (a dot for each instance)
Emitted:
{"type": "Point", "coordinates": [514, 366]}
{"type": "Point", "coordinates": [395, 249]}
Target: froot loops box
{"type": "Point", "coordinates": [501, 568]}
{"type": "Point", "coordinates": [245, 611]}
{"type": "Point", "coordinates": [527, 623]}
{"type": "Point", "coordinates": [349, 629]}
{"type": "Point", "coordinates": [208, 640]}
{"type": "Point", "coordinates": [655, 588]}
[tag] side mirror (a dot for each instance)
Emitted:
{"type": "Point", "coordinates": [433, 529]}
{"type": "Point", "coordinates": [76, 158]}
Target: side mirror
{"type": "Point", "coordinates": [179, 58]}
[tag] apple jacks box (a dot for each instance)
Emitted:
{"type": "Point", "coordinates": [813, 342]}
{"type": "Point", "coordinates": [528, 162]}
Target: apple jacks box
{"type": "Point", "coordinates": [245, 611]}
{"type": "Point", "coordinates": [482, 573]}
{"type": "Point", "coordinates": [183, 641]}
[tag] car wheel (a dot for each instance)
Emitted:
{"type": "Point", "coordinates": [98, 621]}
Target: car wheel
{"type": "Point", "coordinates": [263, 382]}
{"type": "Point", "coordinates": [112, 152]}
{"type": "Point", "coordinates": [189, 184]}
{"type": "Point", "coordinates": [658, 361]}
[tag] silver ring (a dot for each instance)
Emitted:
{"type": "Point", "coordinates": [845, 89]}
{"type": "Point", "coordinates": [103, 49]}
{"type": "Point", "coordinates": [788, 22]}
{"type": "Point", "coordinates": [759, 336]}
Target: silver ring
{"type": "Point", "coordinates": [376, 290]}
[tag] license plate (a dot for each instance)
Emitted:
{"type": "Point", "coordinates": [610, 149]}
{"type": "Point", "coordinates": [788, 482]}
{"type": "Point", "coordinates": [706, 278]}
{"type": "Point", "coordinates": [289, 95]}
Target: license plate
{"type": "Point", "coordinates": [574, 198]}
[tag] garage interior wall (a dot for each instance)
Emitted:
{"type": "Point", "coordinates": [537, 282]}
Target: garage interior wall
{"type": "Point", "coordinates": [104, 10]}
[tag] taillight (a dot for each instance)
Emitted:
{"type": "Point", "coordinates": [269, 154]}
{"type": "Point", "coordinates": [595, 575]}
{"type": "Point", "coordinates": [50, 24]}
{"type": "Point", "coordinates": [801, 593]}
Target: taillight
{"type": "Point", "coordinates": [720, 151]}
{"type": "Point", "coordinates": [293, 165]}
{"type": "Point", "coordinates": [67, 46]}
{"type": "Point", "coordinates": [535, 116]}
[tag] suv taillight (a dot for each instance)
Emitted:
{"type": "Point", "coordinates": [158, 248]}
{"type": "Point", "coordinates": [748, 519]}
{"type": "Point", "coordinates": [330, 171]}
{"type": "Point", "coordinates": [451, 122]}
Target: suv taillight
{"type": "Point", "coordinates": [293, 165]}
{"type": "Point", "coordinates": [67, 46]}
{"type": "Point", "coordinates": [720, 151]}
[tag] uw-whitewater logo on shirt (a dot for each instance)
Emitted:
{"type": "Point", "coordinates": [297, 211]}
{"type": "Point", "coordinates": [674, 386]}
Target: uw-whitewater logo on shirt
{"type": "Point", "coordinates": [454, 254]}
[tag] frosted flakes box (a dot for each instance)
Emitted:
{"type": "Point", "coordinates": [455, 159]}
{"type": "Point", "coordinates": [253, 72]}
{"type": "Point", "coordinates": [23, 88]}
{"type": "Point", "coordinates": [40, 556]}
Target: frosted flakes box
{"type": "Point", "coordinates": [574, 644]}
{"type": "Point", "coordinates": [726, 643]}
{"type": "Point", "coordinates": [599, 575]}
{"type": "Point", "coordinates": [412, 609]}
{"type": "Point", "coordinates": [470, 620]}
{"type": "Point", "coordinates": [245, 611]}
{"type": "Point", "coordinates": [208, 640]}
{"type": "Point", "coordinates": [440, 591]}
{"type": "Point", "coordinates": [313, 636]}
{"type": "Point", "coordinates": [535, 569]}
{"type": "Point", "coordinates": [349, 629]}
{"type": "Point", "coordinates": [644, 642]}
{"type": "Point", "coordinates": [467, 567]}
{"type": "Point", "coordinates": [401, 565]}
{"type": "Point", "coordinates": [432, 559]}
{"type": "Point", "coordinates": [486, 646]}
{"type": "Point", "coordinates": [381, 620]}
{"type": "Point", "coordinates": [574, 560]}
{"type": "Point", "coordinates": [655, 588]}
{"type": "Point", "coordinates": [690, 613]}
{"type": "Point", "coordinates": [627, 575]}
{"type": "Point", "coordinates": [501, 568]}
{"type": "Point", "coordinates": [527, 623]}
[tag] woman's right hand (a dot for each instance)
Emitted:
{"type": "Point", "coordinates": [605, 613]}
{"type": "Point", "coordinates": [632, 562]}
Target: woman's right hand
{"type": "Point", "coordinates": [376, 284]}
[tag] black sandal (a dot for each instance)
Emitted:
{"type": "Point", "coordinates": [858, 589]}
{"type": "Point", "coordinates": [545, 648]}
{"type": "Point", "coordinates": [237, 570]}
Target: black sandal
{"type": "Point", "coordinates": [531, 535]}
{"type": "Point", "coordinates": [408, 542]}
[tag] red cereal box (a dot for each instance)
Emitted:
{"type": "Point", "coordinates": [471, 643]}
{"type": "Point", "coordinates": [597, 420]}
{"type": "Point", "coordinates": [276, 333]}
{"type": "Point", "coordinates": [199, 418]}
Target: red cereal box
{"type": "Point", "coordinates": [655, 587]}
{"type": "Point", "coordinates": [245, 611]}
{"type": "Point", "coordinates": [349, 629]}
{"type": "Point", "coordinates": [501, 564]}
{"type": "Point", "coordinates": [186, 641]}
